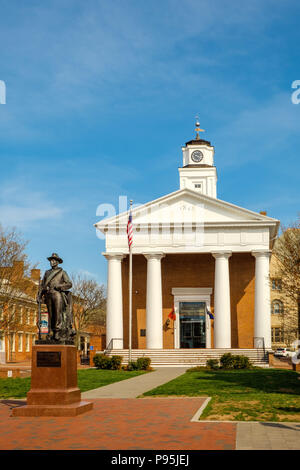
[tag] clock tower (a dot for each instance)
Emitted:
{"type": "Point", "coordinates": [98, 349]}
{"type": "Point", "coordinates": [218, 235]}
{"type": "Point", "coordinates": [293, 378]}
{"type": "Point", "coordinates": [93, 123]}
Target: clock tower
{"type": "Point", "coordinates": [198, 171]}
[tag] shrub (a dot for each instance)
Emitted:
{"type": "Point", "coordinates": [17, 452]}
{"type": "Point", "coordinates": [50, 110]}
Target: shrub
{"type": "Point", "coordinates": [116, 362]}
{"type": "Point", "coordinates": [102, 362]}
{"type": "Point", "coordinates": [241, 362]}
{"type": "Point", "coordinates": [132, 365]}
{"type": "Point", "coordinates": [212, 364]}
{"type": "Point", "coordinates": [196, 369]}
{"type": "Point", "coordinates": [143, 363]}
{"type": "Point", "coordinates": [226, 361]}
{"type": "Point", "coordinates": [229, 361]}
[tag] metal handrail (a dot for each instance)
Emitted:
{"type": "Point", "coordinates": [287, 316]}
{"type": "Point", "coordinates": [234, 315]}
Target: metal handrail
{"type": "Point", "coordinates": [109, 347]}
{"type": "Point", "coordinates": [262, 339]}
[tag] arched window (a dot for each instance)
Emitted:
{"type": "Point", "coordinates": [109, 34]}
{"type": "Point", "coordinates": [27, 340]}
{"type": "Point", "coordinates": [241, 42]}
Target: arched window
{"type": "Point", "coordinates": [277, 307]}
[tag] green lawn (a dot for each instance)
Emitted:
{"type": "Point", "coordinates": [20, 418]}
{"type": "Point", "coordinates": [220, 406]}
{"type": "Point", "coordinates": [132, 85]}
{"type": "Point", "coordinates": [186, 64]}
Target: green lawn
{"type": "Point", "coordinates": [87, 380]}
{"type": "Point", "coordinates": [243, 395]}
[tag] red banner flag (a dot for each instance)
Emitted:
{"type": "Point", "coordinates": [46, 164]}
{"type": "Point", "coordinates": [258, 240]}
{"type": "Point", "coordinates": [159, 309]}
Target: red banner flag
{"type": "Point", "coordinates": [172, 314]}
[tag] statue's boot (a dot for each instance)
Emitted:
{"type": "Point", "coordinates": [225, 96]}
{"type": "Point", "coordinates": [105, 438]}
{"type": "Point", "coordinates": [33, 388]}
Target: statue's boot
{"type": "Point", "coordinates": [56, 336]}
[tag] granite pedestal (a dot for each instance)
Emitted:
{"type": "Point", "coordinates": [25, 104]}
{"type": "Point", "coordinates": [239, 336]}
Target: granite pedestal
{"type": "Point", "coordinates": [54, 390]}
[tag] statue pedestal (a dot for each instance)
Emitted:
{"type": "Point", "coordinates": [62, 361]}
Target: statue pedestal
{"type": "Point", "coordinates": [54, 390]}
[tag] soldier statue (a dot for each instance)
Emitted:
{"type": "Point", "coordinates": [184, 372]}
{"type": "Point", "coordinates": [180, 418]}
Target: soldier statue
{"type": "Point", "coordinates": [54, 292]}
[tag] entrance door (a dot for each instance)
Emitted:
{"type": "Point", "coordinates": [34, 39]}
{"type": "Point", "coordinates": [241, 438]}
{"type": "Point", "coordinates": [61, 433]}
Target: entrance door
{"type": "Point", "coordinates": [192, 316]}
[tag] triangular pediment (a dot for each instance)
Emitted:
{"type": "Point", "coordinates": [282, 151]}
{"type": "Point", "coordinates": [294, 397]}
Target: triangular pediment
{"type": "Point", "coordinates": [187, 206]}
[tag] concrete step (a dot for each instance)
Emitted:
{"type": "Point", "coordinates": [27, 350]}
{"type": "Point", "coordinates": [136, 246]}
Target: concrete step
{"type": "Point", "coordinates": [190, 357]}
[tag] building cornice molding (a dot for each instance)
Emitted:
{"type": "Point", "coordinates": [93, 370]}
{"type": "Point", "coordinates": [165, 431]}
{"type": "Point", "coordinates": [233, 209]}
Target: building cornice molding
{"type": "Point", "coordinates": [177, 291]}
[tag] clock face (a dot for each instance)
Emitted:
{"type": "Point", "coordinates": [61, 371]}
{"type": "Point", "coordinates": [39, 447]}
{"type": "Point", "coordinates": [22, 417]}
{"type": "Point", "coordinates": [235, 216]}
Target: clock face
{"type": "Point", "coordinates": [197, 156]}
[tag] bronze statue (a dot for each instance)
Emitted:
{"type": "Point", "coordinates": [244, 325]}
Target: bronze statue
{"type": "Point", "coordinates": [54, 292]}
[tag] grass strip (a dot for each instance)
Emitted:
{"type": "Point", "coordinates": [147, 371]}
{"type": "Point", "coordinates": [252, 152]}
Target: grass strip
{"type": "Point", "coordinates": [88, 379]}
{"type": "Point", "coordinates": [243, 395]}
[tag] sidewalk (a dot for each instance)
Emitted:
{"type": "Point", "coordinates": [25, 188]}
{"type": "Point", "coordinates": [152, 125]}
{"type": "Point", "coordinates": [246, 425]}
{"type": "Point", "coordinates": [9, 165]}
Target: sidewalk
{"type": "Point", "coordinates": [119, 421]}
{"type": "Point", "coordinates": [132, 388]}
{"type": "Point", "coordinates": [268, 436]}
{"type": "Point", "coordinates": [119, 424]}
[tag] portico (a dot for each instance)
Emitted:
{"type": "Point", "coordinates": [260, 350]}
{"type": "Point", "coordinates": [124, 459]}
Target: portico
{"type": "Point", "coordinates": [203, 257]}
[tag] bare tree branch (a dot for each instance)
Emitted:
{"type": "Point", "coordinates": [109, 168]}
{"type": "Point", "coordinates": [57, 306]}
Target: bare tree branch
{"type": "Point", "coordinates": [89, 300]}
{"type": "Point", "coordinates": [287, 256]}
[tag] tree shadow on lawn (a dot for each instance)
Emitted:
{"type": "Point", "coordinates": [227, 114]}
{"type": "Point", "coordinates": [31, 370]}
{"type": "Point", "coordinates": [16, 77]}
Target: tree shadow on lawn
{"type": "Point", "coordinates": [280, 425]}
{"type": "Point", "coordinates": [268, 381]}
{"type": "Point", "coordinates": [288, 409]}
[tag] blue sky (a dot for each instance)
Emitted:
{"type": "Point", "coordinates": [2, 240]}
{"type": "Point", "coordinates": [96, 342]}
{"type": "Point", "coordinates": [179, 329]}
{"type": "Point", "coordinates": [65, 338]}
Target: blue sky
{"type": "Point", "coordinates": [101, 96]}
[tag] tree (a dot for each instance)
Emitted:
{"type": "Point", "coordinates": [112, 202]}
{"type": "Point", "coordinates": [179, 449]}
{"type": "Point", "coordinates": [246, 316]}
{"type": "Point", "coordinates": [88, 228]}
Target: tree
{"type": "Point", "coordinates": [16, 287]}
{"type": "Point", "coordinates": [287, 255]}
{"type": "Point", "coordinates": [89, 304]}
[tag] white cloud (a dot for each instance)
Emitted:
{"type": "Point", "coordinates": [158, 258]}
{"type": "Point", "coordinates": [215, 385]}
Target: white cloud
{"type": "Point", "coordinates": [21, 206]}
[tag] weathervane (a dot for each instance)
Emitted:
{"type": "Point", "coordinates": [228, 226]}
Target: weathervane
{"type": "Point", "coordinates": [197, 128]}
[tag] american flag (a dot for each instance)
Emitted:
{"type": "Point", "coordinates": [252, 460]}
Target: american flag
{"type": "Point", "coordinates": [211, 316]}
{"type": "Point", "coordinates": [129, 230]}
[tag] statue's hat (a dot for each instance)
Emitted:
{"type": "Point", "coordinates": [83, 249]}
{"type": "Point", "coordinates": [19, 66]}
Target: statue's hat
{"type": "Point", "coordinates": [55, 256]}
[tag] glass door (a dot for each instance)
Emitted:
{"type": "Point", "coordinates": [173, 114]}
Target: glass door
{"type": "Point", "coordinates": [192, 316]}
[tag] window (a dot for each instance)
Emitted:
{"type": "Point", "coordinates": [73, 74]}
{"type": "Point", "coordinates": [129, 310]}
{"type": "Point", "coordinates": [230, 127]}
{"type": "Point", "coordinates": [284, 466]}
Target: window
{"type": "Point", "coordinates": [28, 316]}
{"type": "Point", "coordinates": [12, 313]}
{"type": "Point", "coordinates": [277, 307]}
{"type": "Point", "coordinates": [12, 342]}
{"type": "Point", "coordinates": [20, 342]}
{"type": "Point", "coordinates": [198, 186]}
{"type": "Point", "coordinates": [2, 342]}
{"type": "Point", "coordinates": [143, 332]}
{"type": "Point", "coordinates": [27, 343]}
{"type": "Point", "coordinates": [21, 315]}
{"type": "Point", "coordinates": [277, 335]}
{"type": "Point", "coordinates": [276, 284]}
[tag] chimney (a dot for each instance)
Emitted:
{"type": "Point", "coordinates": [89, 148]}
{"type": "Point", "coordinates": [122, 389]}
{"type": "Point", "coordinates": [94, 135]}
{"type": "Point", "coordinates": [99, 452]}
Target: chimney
{"type": "Point", "coordinates": [35, 274]}
{"type": "Point", "coordinates": [263, 212]}
{"type": "Point", "coordinates": [18, 268]}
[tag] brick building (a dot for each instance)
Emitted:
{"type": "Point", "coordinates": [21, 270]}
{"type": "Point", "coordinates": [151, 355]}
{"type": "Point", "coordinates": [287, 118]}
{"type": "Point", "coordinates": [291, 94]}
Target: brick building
{"type": "Point", "coordinates": [285, 311]}
{"type": "Point", "coordinates": [203, 258]}
{"type": "Point", "coordinates": [18, 334]}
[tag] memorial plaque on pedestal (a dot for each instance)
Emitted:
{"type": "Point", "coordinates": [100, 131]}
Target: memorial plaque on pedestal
{"type": "Point", "coordinates": [48, 359]}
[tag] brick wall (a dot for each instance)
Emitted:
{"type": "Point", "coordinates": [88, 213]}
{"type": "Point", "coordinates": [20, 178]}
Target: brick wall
{"type": "Point", "coordinates": [191, 270]}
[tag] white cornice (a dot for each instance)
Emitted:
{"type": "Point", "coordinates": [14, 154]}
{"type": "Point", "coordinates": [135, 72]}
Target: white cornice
{"type": "Point", "coordinates": [169, 197]}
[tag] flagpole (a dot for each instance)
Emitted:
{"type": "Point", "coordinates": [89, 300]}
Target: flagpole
{"type": "Point", "coordinates": [130, 296]}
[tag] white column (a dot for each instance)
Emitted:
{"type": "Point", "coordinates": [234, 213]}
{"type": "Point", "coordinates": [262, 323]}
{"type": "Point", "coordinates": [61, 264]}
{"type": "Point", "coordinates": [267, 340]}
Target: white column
{"type": "Point", "coordinates": [262, 312]}
{"type": "Point", "coordinates": [222, 311]}
{"type": "Point", "coordinates": [114, 309]}
{"type": "Point", "coordinates": [154, 320]}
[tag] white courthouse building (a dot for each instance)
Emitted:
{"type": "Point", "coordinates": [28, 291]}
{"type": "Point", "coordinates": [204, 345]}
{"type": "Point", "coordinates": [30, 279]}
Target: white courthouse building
{"type": "Point", "coordinates": [203, 257]}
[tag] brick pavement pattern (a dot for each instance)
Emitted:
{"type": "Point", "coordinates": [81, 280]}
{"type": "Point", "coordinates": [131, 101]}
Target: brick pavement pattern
{"type": "Point", "coordinates": [129, 423]}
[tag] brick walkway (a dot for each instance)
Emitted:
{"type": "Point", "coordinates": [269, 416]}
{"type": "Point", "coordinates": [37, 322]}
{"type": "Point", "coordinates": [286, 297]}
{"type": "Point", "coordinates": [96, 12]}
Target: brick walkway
{"type": "Point", "coordinates": [131, 424]}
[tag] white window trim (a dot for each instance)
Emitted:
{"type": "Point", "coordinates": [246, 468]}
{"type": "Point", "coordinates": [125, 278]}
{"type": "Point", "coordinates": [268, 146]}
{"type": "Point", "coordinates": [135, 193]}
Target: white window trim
{"type": "Point", "coordinates": [21, 315]}
{"type": "Point", "coordinates": [281, 305]}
